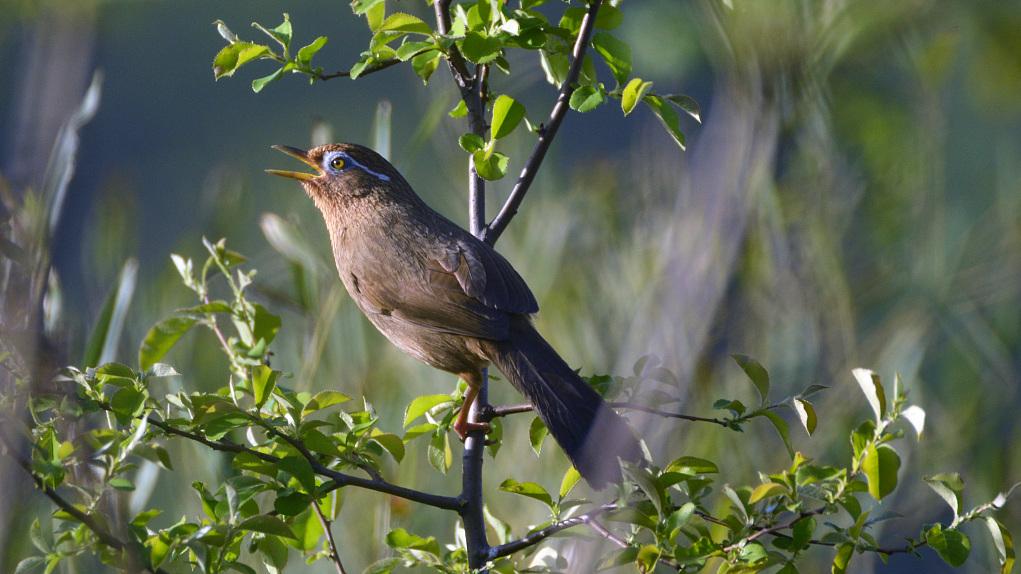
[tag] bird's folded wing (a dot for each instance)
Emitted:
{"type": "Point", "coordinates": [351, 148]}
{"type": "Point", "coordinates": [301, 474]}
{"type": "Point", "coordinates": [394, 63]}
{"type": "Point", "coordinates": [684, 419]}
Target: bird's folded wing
{"type": "Point", "coordinates": [465, 289]}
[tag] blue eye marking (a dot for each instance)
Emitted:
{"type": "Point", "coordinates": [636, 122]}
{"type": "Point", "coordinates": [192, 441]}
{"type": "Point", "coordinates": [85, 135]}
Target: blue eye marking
{"type": "Point", "coordinates": [337, 162]}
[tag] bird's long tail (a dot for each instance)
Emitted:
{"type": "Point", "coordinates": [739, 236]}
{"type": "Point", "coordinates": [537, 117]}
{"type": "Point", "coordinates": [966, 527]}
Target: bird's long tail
{"type": "Point", "coordinates": [592, 435]}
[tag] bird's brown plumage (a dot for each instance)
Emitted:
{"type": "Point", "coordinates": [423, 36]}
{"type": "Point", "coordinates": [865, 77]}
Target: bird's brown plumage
{"type": "Point", "coordinates": [452, 301]}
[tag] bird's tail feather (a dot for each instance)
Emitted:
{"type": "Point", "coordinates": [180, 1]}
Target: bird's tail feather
{"type": "Point", "coordinates": [591, 434]}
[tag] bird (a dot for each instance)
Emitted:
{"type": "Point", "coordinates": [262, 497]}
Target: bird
{"type": "Point", "coordinates": [452, 301]}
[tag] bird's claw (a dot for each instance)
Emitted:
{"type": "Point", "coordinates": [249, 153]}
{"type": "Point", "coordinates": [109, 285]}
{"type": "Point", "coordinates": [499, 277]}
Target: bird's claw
{"type": "Point", "coordinates": [463, 430]}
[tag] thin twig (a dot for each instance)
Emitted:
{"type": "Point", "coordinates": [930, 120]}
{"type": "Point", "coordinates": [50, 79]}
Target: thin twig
{"type": "Point", "coordinates": [378, 67]}
{"type": "Point", "coordinates": [506, 410]}
{"type": "Point", "coordinates": [337, 479]}
{"type": "Point", "coordinates": [540, 535]}
{"type": "Point", "coordinates": [510, 208]}
{"type": "Point", "coordinates": [326, 524]}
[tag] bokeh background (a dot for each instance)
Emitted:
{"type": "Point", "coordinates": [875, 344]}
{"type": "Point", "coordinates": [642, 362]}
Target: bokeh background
{"type": "Point", "coordinates": [853, 198]}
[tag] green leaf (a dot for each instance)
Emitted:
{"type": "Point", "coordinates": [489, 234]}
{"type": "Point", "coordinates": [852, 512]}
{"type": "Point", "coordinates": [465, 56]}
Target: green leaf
{"type": "Point", "coordinates": [880, 466]}
{"type": "Point", "coordinates": [391, 443]}
{"type": "Point", "coordinates": [291, 504]}
{"type": "Point", "coordinates": [766, 490]}
{"type": "Point", "coordinates": [306, 53]}
{"type": "Point", "coordinates": [264, 380]}
{"type": "Point", "coordinates": [127, 403]}
{"type": "Point", "coordinates": [507, 114]}
{"type": "Point", "coordinates": [268, 524]}
{"type": "Point", "coordinates": [949, 487]}
{"type": "Point", "coordinates": [121, 483]}
{"type": "Point", "coordinates": [401, 22]}
{"type": "Point", "coordinates": [537, 432]}
{"type": "Point", "coordinates": [426, 63]}
{"type": "Point", "coordinates": [633, 93]}
{"type": "Point", "coordinates": [420, 405]}
{"type": "Point", "coordinates": [322, 400]}
{"type": "Point", "coordinates": [648, 556]}
{"type": "Point", "coordinates": [401, 538]}
{"type": "Point", "coordinates": [282, 33]}
{"type": "Point", "coordinates": [491, 168]}
{"type": "Point", "coordinates": [161, 338]}
{"type": "Point", "coordinates": [408, 50]}
{"type": "Point", "coordinates": [471, 143]}
{"type": "Point", "coordinates": [757, 374]}
{"type": "Point", "coordinates": [781, 428]}
{"type": "Point", "coordinates": [842, 559]}
{"type": "Point", "coordinates": [481, 49]}
{"type": "Point", "coordinates": [529, 489]}
{"type": "Point", "coordinates": [686, 103]}
{"type": "Point", "coordinates": [439, 453]}
{"type": "Point", "coordinates": [692, 465]}
{"type": "Point", "coordinates": [160, 370]}
{"type": "Point", "coordinates": [873, 389]}
{"type": "Point", "coordinates": [647, 483]}
{"type": "Point", "coordinates": [801, 533]}
{"type": "Point", "coordinates": [555, 65]}
{"type": "Point", "coordinates": [915, 415]}
{"type": "Point", "coordinates": [459, 111]}
{"type": "Point", "coordinates": [616, 53]}
{"type": "Point", "coordinates": [587, 98]}
{"type": "Point", "coordinates": [301, 470]}
{"type": "Point", "coordinates": [360, 7]}
{"type": "Point", "coordinates": [951, 545]}
{"type": "Point", "coordinates": [667, 116]}
{"type": "Point", "coordinates": [233, 56]}
{"type": "Point", "coordinates": [571, 478]}
{"type": "Point", "coordinates": [30, 565]}
{"type": "Point", "coordinates": [806, 412]}
{"type": "Point", "coordinates": [1004, 544]}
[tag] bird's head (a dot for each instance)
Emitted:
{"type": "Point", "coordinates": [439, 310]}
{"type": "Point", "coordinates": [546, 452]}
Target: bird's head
{"type": "Point", "coordinates": [344, 171]}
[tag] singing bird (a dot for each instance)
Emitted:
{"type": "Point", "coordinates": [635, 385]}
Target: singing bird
{"type": "Point", "coordinates": [450, 300]}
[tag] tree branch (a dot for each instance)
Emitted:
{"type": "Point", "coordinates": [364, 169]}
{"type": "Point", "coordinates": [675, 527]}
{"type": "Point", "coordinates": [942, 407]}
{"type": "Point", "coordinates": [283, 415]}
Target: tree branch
{"type": "Point", "coordinates": [337, 479]}
{"type": "Point", "coordinates": [548, 132]}
{"type": "Point", "coordinates": [540, 535]}
{"type": "Point", "coordinates": [378, 67]}
{"type": "Point", "coordinates": [472, 513]}
{"type": "Point", "coordinates": [326, 524]}
{"type": "Point", "coordinates": [506, 410]}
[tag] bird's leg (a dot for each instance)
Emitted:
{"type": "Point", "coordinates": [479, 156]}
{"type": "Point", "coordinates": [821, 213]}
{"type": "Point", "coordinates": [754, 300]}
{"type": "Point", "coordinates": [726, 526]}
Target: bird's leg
{"type": "Point", "coordinates": [461, 426]}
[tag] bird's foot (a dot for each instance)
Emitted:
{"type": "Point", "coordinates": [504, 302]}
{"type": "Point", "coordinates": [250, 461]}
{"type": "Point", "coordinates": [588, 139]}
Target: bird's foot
{"type": "Point", "coordinates": [462, 430]}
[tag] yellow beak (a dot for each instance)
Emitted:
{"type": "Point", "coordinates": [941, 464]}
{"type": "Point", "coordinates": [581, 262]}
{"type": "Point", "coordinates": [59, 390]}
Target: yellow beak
{"type": "Point", "coordinates": [301, 156]}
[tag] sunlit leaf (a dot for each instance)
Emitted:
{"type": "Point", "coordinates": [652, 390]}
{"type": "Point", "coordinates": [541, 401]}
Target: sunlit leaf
{"type": "Point", "coordinates": [872, 387]}
{"type": "Point", "coordinates": [952, 545]}
{"type": "Point", "coordinates": [880, 466]}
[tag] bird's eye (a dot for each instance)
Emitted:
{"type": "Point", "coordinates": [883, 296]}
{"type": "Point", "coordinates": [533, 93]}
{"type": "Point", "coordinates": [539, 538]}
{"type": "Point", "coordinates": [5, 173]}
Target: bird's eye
{"type": "Point", "coordinates": [337, 163]}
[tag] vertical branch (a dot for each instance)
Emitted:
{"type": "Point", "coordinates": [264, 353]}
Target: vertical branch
{"type": "Point", "coordinates": [328, 530]}
{"type": "Point", "coordinates": [549, 130]}
{"type": "Point", "coordinates": [473, 88]}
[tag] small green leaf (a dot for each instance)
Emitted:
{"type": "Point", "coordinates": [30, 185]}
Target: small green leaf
{"type": "Point", "coordinates": [806, 412]}
{"type": "Point", "coordinates": [686, 103]}
{"type": "Point", "coordinates": [1004, 544]}
{"type": "Point", "coordinates": [391, 443]}
{"type": "Point", "coordinates": [264, 380]}
{"type": "Point", "coordinates": [529, 489]}
{"type": "Point", "coordinates": [647, 483]}
{"type": "Point", "coordinates": [667, 116]}
{"type": "Point", "coordinates": [842, 559]}
{"type": "Point", "coordinates": [282, 33]}
{"type": "Point", "coordinates": [873, 389]}
{"type": "Point", "coordinates": [401, 22]}
{"type": "Point", "coordinates": [268, 524]}
{"type": "Point", "coordinates": [692, 465]}
{"type": "Point", "coordinates": [233, 56]}
{"type": "Point", "coordinates": [127, 403]}
{"type": "Point", "coordinates": [439, 453]}
{"type": "Point", "coordinates": [491, 168]}
{"type": "Point", "coordinates": [757, 374]}
{"type": "Point", "coordinates": [121, 483]}
{"type": "Point", "coordinates": [949, 487]}
{"type": "Point", "coordinates": [409, 50]}
{"type": "Point", "coordinates": [401, 538]}
{"type": "Point", "coordinates": [507, 114]}
{"type": "Point", "coordinates": [481, 49]}
{"type": "Point", "coordinates": [571, 478]}
{"type": "Point", "coordinates": [161, 338]}
{"type": "Point", "coordinates": [322, 400]}
{"type": "Point", "coordinates": [360, 7]}
{"type": "Point", "coordinates": [306, 53]}
{"type": "Point", "coordinates": [647, 558]}
{"type": "Point", "coordinates": [420, 405]}
{"type": "Point", "coordinates": [555, 65]}
{"type": "Point", "coordinates": [459, 111]}
{"type": "Point", "coordinates": [471, 143]}
{"type": "Point", "coordinates": [951, 545]}
{"type": "Point", "coordinates": [880, 466]}
{"type": "Point", "coordinates": [633, 93]}
{"type": "Point", "coordinates": [616, 53]}
{"type": "Point", "coordinates": [537, 432]}
{"type": "Point", "coordinates": [425, 64]}
{"type": "Point", "coordinates": [301, 470]}
{"type": "Point", "coordinates": [766, 490]}
{"type": "Point", "coordinates": [586, 98]}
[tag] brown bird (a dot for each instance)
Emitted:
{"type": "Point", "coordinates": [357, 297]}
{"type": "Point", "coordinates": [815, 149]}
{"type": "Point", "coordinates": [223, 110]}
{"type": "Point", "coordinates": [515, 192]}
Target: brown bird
{"type": "Point", "coordinates": [451, 301]}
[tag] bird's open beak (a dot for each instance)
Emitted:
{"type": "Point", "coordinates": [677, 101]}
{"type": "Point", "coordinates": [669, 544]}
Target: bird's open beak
{"type": "Point", "coordinates": [301, 156]}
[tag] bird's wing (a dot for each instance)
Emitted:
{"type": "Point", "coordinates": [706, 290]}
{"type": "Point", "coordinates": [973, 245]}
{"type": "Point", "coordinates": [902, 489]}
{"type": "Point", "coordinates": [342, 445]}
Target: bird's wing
{"type": "Point", "coordinates": [466, 288]}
